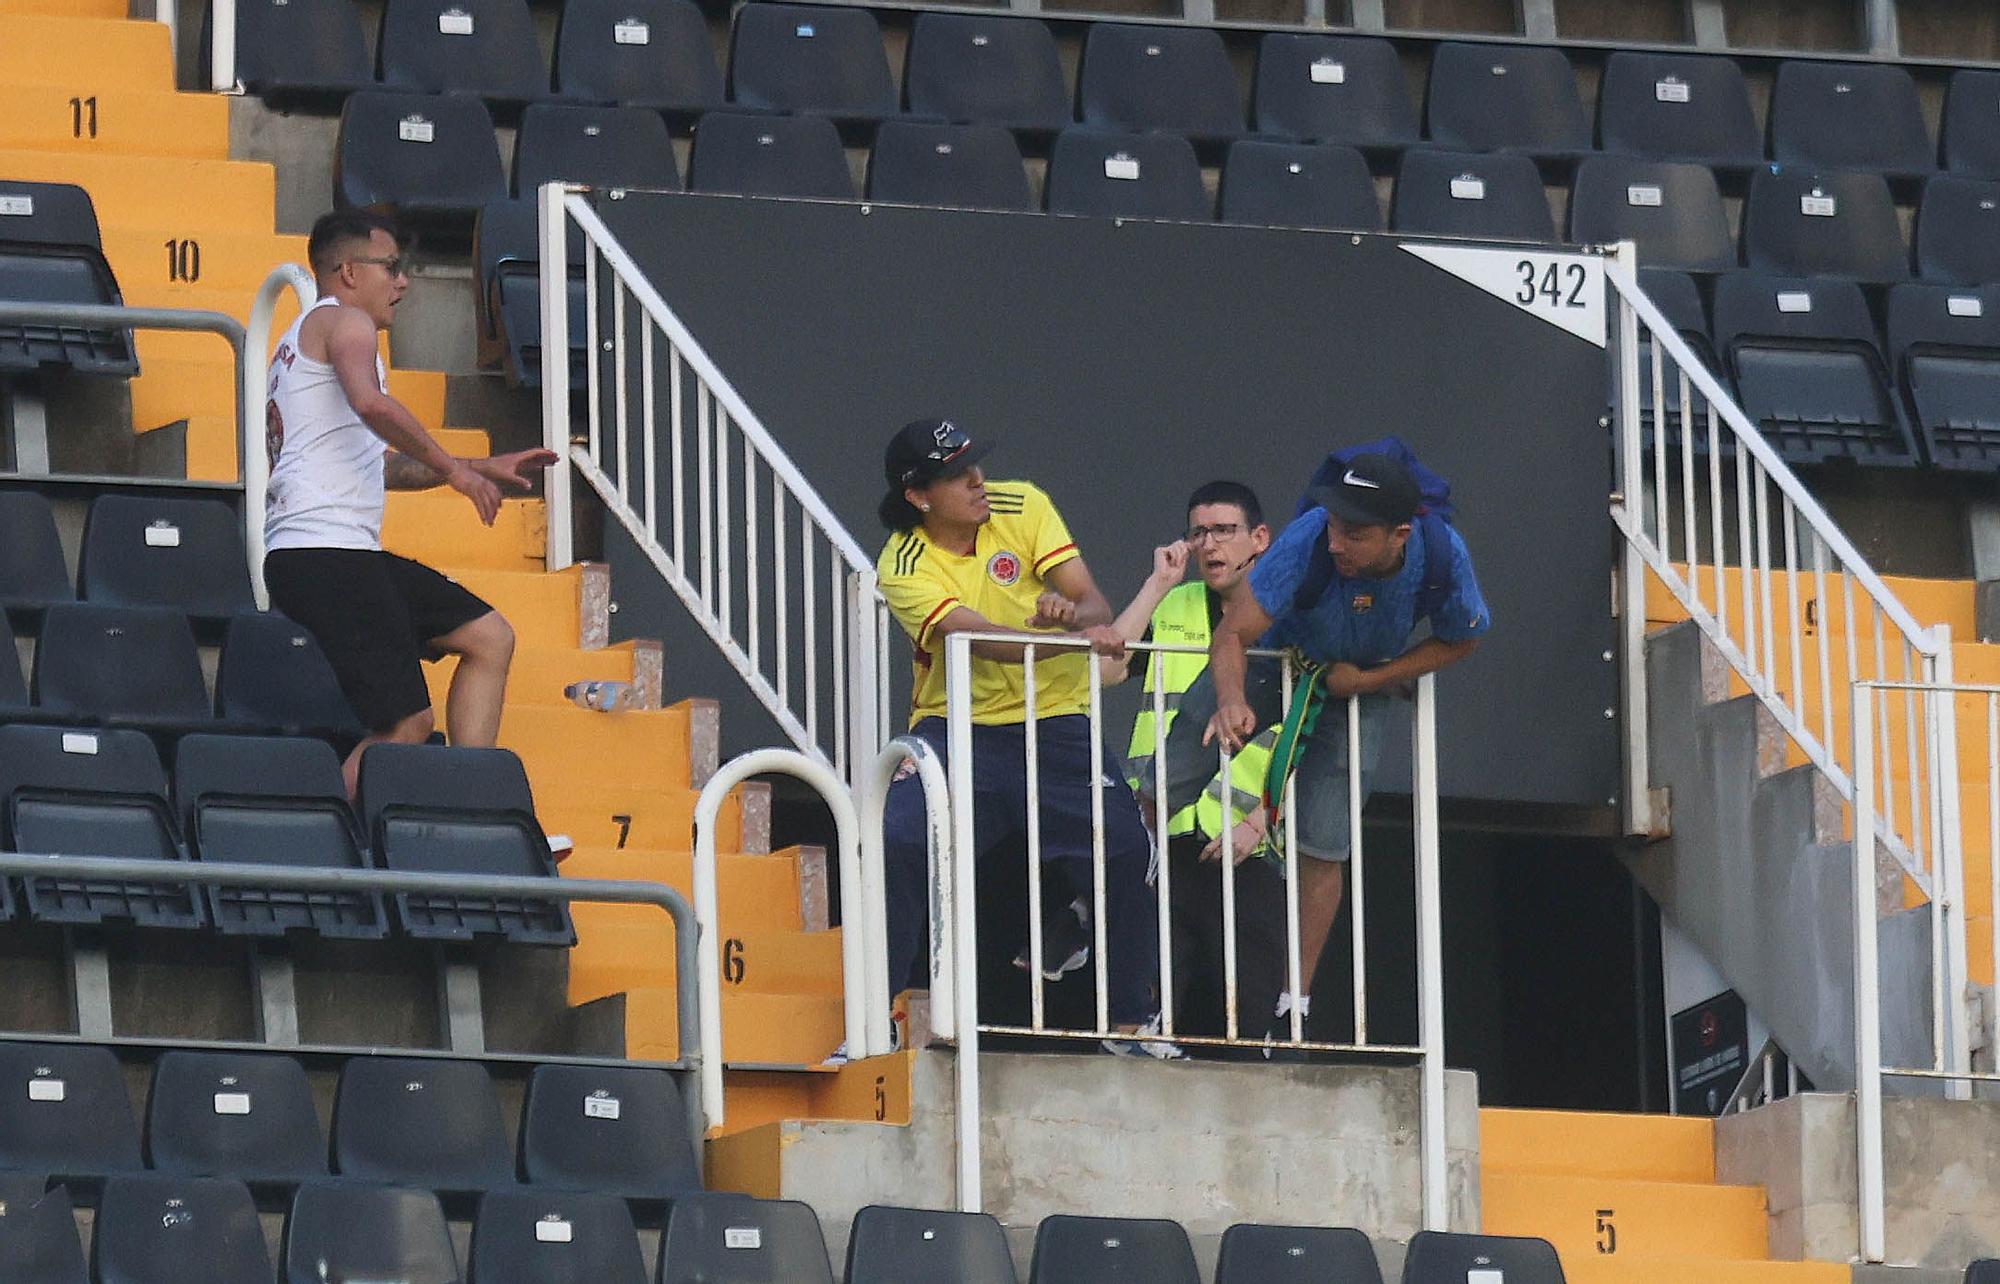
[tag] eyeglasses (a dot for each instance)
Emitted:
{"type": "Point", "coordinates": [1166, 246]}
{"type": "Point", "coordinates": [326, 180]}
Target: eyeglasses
{"type": "Point", "coordinates": [393, 264]}
{"type": "Point", "coordinates": [1220, 531]}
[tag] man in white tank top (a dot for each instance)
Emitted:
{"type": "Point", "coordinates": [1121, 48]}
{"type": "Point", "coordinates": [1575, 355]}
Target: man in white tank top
{"type": "Point", "coordinates": [337, 442]}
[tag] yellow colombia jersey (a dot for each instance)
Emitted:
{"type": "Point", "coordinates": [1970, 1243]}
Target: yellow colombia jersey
{"type": "Point", "coordinates": [1023, 541]}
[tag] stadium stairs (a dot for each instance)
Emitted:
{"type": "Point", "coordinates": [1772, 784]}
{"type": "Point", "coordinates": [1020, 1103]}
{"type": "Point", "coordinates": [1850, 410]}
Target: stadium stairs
{"type": "Point", "coordinates": [622, 787]}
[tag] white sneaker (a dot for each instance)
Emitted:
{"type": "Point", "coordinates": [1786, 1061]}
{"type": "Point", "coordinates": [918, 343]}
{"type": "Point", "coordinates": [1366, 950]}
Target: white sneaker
{"type": "Point", "coordinates": [1145, 1042]}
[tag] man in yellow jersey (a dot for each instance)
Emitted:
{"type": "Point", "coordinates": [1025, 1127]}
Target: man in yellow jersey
{"type": "Point", "coordinates": [967, 557]}
{"type": "Point", "coordinates": [1225, 536]}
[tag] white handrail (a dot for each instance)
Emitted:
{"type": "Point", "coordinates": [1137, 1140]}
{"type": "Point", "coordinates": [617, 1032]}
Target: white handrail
{"type": "Point", "coordinates": [737, 468]}
{"type": "Point", "coordinates": [1778, 529]}
{"type": "Point", "coordinates": [252, 445]}
{"type": "Point", "coordinates": [873, 791]}
{"type": "Point", "coordinates": [832, 791]}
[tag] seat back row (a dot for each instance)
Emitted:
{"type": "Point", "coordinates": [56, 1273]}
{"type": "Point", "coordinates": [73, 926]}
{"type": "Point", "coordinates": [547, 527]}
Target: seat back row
{"type": "Point", "coordinates": [1006, 71]}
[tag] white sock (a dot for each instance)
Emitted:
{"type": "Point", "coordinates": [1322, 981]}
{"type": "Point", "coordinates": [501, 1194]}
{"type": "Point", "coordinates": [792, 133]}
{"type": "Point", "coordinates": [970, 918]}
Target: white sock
{"type": "Point", "coordinates": [1286, 1001]}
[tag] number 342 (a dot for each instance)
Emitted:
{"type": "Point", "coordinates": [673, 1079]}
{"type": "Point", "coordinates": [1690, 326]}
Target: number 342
{"type": "Point", "coordinates": [1556, 285]}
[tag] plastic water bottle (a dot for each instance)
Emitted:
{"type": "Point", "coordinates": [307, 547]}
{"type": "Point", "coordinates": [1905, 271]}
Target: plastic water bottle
{"type": "Point", "coordinates": [603, 696]}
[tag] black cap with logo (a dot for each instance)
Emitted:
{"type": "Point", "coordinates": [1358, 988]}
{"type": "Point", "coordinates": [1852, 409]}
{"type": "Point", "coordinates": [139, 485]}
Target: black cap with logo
{"type": "Point", "coordinates": [925, 450]}
{"type": "Point", "coordinates": [1373, 490]}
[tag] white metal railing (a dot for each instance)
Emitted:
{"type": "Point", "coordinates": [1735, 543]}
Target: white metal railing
{"type": "Point", "coordinates": [1954, 827]}
{"type": "Point", "coordinates": [1709, 509]}
{"type": "Point", "coordinates": [859, 1003]}
{"type": "Point", "coordinates": [953, 916]}
{"type": "Point", "coordinates": [252, 446]}
{"type": "Point", "coordinates": [680, 460]}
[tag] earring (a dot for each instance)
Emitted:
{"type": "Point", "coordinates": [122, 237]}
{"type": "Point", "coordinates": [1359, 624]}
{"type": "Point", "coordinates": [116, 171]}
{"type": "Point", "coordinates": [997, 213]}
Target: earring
{"type": "Point", "coordinates": [924, 507]}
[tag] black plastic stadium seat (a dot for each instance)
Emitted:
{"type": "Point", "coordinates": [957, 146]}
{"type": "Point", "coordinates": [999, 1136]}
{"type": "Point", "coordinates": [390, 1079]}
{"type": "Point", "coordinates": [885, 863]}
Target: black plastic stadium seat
{"type": "Point", "coordinates": [142, 550]}
{"type": "Point", "coordinates": [296, 50]}
{"type": "Point", "coordinates": [1117, 175]}
{"type": "Point", "coordinates": [64, 1111]}
{"type": "Point", "coordinates": [38, 1241]}
{"type": "Point", "coordinates": [622, 1131]}
{"type": "Point", "coordinates": [1332, 89]}
{"type": "Point", "coordinates": [640, 53]}
{"type": "Point", "coordinates": [982, 69]}
{"type": "Point", "coordinates": [1944, 342]}
{"type": "Point", "coordinates": [1146, 77]}
{"type": "Point", "coordinates": [236, 1114]}
{"type": "Point", "coordinates": [32, 575]}
{"type": "Point", "coordinates": [554, 1237]}
{"type": "Point", "coordinates": [420, 1121]}
{"type": "Point", "coordinates": [349, 1231]}
{"type": "Point", "coordinates": [273, 676]}
{"type": "Point", "coordinates": [506, 246]}
{"type": "Point", "coordinates": [157, 1228]}
{"type": "Point", "coordinates": [1807, 368]}
{"type": "Point", "coordinates": [1673, 211]}
{"type": "Point", "coordinates": [975, 167]}
{"type": "Point", "coordinates": [484, 47]}
{"type": "Point", "coordinates": [1519, 98]}
{"type": "Point", "coordinates": [1298, 185]}
{"type": "Point", "coordinates": [1104, 1250]}
{"type": "Point", "coordinates": [1971, 145]}
{"type": "Point", "coordinates": [432, 156]}
{"type": "Point", "coordinates": [1802, 223]}
{"type": "Point", "coordinates": [1254, 1254]}
{"type": "Point", "coordinates": [124, 664]}
{"type": "Point", "coordinates": [897, 1245]}
{"type": "Point", "coordinates": [275, 800]}
{"type": "Point", "coordinates": [1438, 1258]}
{"type": "Point", "coordinates": [734, 1239]}
{"type": "Point", "coordinates": [51, 252]}
{"type": "Point", "coordinates": [1984, 1270]}
{"type": "Point", "coordinates": [91, 793]}
{"type": "Point", "coordinates": [1958, 231]}
{"type": "Point", "coordinates": [1468, 194]}
{"type": "Point", "coordinates": [1849, 115]}
{"type": "Point", "coordinates": [797, 156]}
{"type": "Point", "coordinates": [1678, 107]}
{"type": "Point", "coordinates": [601, 146]}
{"type": "Point", "coordinates": [461, 811]}
{"type": "Point", "coordinates": [809, 59]}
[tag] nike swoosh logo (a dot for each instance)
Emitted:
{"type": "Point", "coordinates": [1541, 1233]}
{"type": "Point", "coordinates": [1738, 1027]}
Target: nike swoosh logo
{"type": "Point", "coordinates": [1351, 480]}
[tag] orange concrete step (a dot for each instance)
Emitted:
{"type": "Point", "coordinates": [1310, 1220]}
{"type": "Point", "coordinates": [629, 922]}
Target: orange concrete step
{"type": "Point", "coordinates": [1929, 601]}
{"type": "Point", "coordinates": [84, 55]}
{"type": "Point", "coordinates": [423, 392]}
{"type": "Point", "coordinates": [873, 1090]}
{"type": "Point", "coordinates": [1581, 1216]}
{"type": "Point", "coordinates": [114, 119]}
{"type": "Point", "coordinates": [757, 1029]}
{"type": "Point", "coordinates": [613, 955]}
{"type": "Point", "coordinates": [209, 258]}
{"type": "Point", "coordinates": [1580, 1143]}
{"type": "Point", "coordinates": [1620, 1269]}
{"type": "Point", "coordinates": [541, 605]}
{"type": "Point", "coordinates": [615, 814]}
{"type": "Point", "coordinates": [539, 673]}
{"type": "Point", "coordinates": [185, 197]}
{"type": "Point", "coordinates": [466, 443]}
{"type": "Point", "coordinates": [440, 528]}
{"type": "Point", "coordinates": [114, 10]}
{"type": "Point", "coordinates": [563, 742]}
{"type": "Point", "coordinates": [761, 891]}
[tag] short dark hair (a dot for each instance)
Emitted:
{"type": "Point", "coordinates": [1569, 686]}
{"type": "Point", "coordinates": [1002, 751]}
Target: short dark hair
{"type": "Point", "coordinates": [1229, 492]}
{"type": "Point", "coordinates": [332, 231]}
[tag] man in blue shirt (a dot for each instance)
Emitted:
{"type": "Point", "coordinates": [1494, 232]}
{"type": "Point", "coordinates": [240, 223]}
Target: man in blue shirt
{"type": "Point", "coordinates": [1360, 629]}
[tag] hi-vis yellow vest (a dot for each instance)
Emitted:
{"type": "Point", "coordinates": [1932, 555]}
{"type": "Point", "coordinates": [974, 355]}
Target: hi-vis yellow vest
{"type": "Point", "coordinates": [1181, 619]}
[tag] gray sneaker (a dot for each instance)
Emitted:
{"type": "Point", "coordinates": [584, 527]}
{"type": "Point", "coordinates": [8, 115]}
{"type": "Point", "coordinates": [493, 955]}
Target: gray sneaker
{"type": "Point", "coordinates": [1145, 1042]}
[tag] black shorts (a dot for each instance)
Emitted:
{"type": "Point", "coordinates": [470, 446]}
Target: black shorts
{"type": "Point", "coordinates": [376, 616]}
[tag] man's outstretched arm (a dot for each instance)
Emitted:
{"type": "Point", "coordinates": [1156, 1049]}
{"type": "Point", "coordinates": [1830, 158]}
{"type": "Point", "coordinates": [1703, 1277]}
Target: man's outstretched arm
{"type": "Point", "coordinates": [1427, 656]}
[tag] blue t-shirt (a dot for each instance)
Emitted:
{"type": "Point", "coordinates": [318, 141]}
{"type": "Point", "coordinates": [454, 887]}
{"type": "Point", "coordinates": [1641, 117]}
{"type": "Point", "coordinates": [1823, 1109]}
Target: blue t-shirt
{"type": "Point", "coordinates": [1361, 621]}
